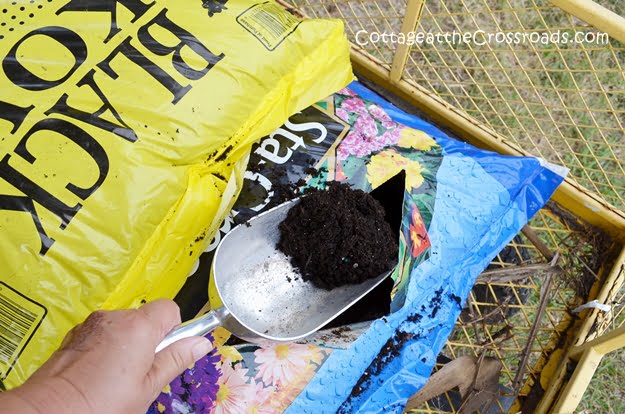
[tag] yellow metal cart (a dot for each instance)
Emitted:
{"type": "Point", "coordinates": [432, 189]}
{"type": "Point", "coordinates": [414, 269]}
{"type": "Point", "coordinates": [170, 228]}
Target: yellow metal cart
{"type": "Point", "coordinates": [563, 101]}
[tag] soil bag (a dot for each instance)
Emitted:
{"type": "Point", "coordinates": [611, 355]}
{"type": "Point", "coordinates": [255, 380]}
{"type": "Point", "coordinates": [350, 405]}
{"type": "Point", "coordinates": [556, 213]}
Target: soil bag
{"type": "Point", "coordinates": [125, 130]}
{"type": "Point", "coordinates": [461, 206]}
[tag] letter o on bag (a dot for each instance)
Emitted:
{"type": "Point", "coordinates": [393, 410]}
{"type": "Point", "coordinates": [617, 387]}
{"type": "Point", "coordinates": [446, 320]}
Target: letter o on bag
{"type": "Point", "coordinates": [22, 77]}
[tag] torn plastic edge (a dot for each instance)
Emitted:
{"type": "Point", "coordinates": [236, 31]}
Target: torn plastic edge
{"type": "Point", "coordinates": [556, 169]}
{"type": "Point", "coordinates": [594, 304]}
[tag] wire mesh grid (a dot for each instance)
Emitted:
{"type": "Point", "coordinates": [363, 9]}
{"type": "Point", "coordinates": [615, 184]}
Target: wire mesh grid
{"type": "Point", "coordinates": [562, 101]}
{"type": "Point", "coordinates": [616, 317]}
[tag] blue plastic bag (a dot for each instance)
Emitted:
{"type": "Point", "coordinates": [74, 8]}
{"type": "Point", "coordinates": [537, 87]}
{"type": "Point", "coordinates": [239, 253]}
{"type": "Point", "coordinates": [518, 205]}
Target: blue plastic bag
{"type": "Point", "coordinates": [461, 206]}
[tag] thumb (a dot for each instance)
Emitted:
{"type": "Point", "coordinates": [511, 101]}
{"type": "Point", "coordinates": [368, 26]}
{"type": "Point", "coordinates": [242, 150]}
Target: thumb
{"type": "Point", "coordinates": [173, 360]}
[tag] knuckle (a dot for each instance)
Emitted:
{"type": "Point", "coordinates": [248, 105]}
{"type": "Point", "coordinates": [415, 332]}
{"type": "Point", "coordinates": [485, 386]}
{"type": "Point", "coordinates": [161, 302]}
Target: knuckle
{"type": "Point", "coordinates": [178, 359]}
{"type": "Point", "coordinates": [163, 313]}
{"type": "Point", "coordinates": [170, 307]}
{"type": "Point", "coordinates": [135, 325]}
{"type": "Point", "coordinates": [89, 334]}
{"type": "Point", "coordinates": [96, 317]}
{"type": "Point", "coordinates": [138, 320]}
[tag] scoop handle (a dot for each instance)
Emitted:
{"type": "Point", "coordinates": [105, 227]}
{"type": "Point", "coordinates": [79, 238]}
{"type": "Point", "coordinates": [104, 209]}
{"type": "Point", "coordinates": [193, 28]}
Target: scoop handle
{"type": "Point", "coordinates": [199, 326]}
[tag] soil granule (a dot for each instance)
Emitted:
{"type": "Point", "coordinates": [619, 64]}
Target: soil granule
{"type": "Point", "coordinates": [338, 237]}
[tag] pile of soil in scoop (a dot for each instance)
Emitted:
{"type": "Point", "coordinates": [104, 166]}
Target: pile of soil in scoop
{"type": "Point", "coordinates": [338, 237]}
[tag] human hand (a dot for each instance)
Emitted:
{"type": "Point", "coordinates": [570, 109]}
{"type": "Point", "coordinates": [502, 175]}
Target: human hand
{"type": "Point", "coordinates": [107, 364]}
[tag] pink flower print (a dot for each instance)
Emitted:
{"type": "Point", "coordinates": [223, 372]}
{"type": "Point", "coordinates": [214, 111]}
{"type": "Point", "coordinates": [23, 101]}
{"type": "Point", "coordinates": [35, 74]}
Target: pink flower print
{"type": "Point", "coordinates": [235, 389]}
{"type": "Point", "coordinates": [366, 126]}
{"type": "Point", "coordinates": [346, 91]}
{"type": "Point", "coordinates": [390, 124]}
{"type": "Point", "coordinates": [391, 136]}
{"type": "Point", "coordinates": [261, 403]}
{"type": "Point", "coordinates": [355, 105]}
{"type": "Point", "coordinates": [281, 364]}
{"type": "Point", "coordinates": [381, 115]}
{"type": "Point", "coordinates": [361, 141]}
{"type": "Point", "coordinates": [343, 114]}
{"type": "Point", "coordinates": [352, 144]}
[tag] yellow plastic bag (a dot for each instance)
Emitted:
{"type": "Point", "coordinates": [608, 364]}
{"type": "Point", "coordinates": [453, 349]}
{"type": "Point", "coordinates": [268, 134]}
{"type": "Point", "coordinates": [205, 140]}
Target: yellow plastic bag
{"type": "Point", "coordinates": [125, 128]}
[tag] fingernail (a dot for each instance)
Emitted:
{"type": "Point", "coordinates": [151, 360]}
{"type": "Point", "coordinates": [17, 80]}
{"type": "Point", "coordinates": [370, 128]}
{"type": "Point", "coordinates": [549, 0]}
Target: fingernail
{"type": "Point", "coordinates": [201, 348]}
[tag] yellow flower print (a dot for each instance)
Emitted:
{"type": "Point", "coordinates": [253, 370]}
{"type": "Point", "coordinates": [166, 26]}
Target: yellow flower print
{"type": "Point", "coordinates": [229, 352]}
{"type": "Point", "coordinates": [220, 336]}
{"type": "Point", "coordinates": [389, 163]}
{"type": "Point", "coordinates": [419, 140]}
{"type": "Point", "coordinates": [414, 174]}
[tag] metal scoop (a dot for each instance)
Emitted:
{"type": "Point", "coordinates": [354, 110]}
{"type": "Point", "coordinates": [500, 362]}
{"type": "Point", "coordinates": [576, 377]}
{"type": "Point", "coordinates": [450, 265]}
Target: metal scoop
{"type": "Point", "coordinates": [262, 296]}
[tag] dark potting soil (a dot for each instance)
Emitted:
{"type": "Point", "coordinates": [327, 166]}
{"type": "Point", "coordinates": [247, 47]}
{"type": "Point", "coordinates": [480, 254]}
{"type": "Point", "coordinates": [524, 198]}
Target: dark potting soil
{"type": "Point", "coordinates": [338, 236]}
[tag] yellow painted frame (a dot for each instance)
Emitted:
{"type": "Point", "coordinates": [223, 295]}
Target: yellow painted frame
{"type": "Point", "coordinates": [588, 356]}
